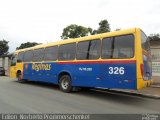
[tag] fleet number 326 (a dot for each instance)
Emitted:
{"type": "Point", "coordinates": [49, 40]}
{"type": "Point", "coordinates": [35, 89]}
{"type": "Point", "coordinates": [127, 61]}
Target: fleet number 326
{"type": "Point", "coordinates": [116, 70]}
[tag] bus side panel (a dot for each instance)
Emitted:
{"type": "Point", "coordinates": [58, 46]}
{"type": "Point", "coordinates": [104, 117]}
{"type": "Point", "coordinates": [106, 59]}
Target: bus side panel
{"type": "Point", "coordinates": [44, 72]}
{"type": "Point", "coordinates": [81, 74]}
{"type": "Point", "coordinates": [100, 75]}
{"type": "Point", "coordinates": [85, 75]}
{"type": "Point", "coordinates": [111, 75]}
{"type": "Point", "coordinates": [121, 76]}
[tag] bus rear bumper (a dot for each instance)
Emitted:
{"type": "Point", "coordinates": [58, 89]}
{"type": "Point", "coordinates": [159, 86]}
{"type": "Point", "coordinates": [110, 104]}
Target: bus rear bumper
{"type": "Point", "coordinates": [144, 83]}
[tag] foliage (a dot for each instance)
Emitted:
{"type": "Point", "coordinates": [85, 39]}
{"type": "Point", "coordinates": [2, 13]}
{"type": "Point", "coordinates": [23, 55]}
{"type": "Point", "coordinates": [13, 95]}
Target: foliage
{"type": "Point", "coordinates": [75, 31]}
{"type": "Point", "coordinates": [27, 45]}
{"type": "Point", "coordinates": [103, 27]}
{"type": "Point", "coordinates": [4, 47]}
{"type": "Point", "coordinates": [154, 37]}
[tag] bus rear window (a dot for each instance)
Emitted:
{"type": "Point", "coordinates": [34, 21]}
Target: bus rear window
{"type": "Point", "coordinates": [145, 41]}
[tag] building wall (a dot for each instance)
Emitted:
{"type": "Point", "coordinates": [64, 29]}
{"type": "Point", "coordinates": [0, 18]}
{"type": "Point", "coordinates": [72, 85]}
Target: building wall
{"type": "Point", "coordinates": [155, 52]}
{"type": "Point", "coordinates": [5, 62]}
{"type": "Point", "coordinates": [1, 62]}
{"type": "Point", "coordinates": [155, 61]}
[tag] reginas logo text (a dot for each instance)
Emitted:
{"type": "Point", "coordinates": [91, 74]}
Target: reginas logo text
{"type": "Point", "coordinates": [40, 66]}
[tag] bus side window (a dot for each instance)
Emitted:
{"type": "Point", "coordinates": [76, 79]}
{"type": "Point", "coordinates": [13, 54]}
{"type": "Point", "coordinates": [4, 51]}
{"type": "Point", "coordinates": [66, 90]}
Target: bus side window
{"type": "Point", "coordinates": [38, 55]}
{"type": "Point", "coordinates": [67, 51]}
{"type": "Point", "coordinates": [123, 46]}
{"type": "Point", "coordinates": [51, 53]}
{"type": "Point", "coordinates": [88, 50]}
{"type": "Point", "coordinates": [20, 57]}
{"type": "Point", "coordinates": [107, 44]}
{"type": "Point", "coordinates": [28, 55]}
{"type": "Point", "coordinates": [118, 47]}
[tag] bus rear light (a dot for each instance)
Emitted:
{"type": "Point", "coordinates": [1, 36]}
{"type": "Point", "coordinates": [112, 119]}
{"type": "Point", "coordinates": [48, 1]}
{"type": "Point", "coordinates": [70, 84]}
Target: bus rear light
{"type": "Point", "coordinates": [142, 69]}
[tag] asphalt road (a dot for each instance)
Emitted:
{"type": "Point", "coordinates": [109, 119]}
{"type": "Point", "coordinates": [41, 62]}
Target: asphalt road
{"type": "Point", "coordinates": [46, 98]}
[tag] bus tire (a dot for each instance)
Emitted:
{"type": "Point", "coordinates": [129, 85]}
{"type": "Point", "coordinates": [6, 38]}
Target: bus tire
{"type": "Point", "coordinates": [85, 88]}
{"type": "Point", "coordinates": [65, 83]}
{"type": "Point", "coordinates": [19, 77]}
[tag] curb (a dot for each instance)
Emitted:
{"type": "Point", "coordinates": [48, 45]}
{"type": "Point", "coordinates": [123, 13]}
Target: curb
{"type": "Point", "coordinates": [147, 95]}
{"type": "Point", "coordinates": [131, 93]}
{"type": "Point", "coordinates": [155, 86]}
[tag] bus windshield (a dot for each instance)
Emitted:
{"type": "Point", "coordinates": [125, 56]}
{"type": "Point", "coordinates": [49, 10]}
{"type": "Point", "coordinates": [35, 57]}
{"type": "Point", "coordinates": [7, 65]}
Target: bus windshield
{"type": "Point", "coordinates": [13, 60]}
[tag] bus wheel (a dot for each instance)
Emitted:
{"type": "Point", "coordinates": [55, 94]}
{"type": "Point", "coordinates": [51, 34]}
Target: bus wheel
{"type": "Point", "coordinates": [65, 83]}
{"type": "Point", "coordinates": [19, 77]}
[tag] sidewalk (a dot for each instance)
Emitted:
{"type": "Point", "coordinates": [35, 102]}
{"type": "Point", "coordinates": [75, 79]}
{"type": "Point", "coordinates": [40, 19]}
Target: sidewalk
{"type": "Point", "coordinates": [151, 92]}
{"type": "Point", "coordinates": [156, 80]}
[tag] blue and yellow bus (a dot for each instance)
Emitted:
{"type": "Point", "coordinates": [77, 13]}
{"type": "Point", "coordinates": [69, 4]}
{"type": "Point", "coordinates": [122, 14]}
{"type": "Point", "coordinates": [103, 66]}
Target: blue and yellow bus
{"type": "Point", "coordinates": [119, 59]}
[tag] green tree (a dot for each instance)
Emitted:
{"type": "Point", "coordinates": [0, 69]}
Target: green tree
{"type": "Point", "coordinates": [27, 45]}
{"type": "Point", "coordinates": [75, 31]}
{"type": "Point", "coordinates": [3, 47]}
{"type": "Point", "coordinates": [103, 27]}
{"type": "Point", "coordinates": [154, 37]}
